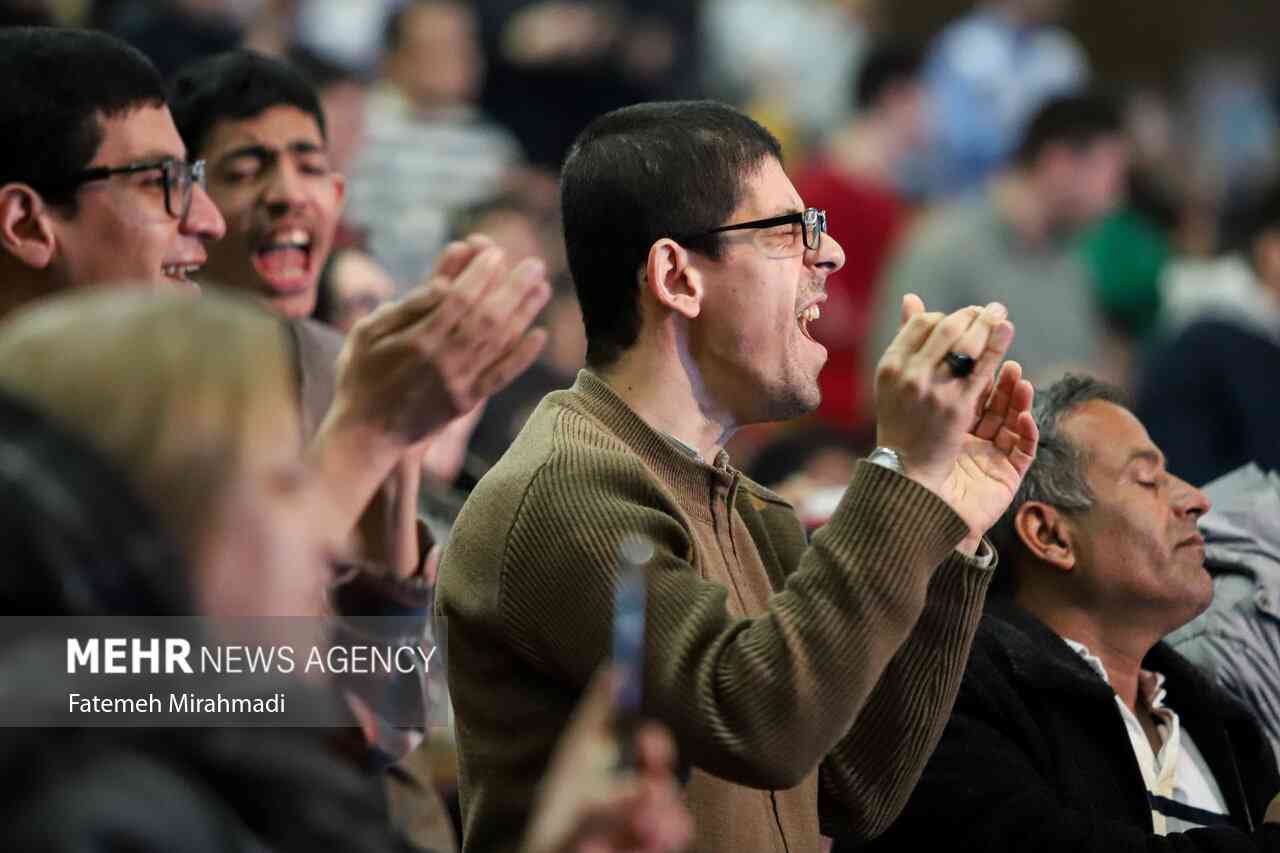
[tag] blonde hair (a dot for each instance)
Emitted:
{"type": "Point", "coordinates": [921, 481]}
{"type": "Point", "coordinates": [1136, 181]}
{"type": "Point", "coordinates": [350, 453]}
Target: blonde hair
{"type": "Point", "coordinates": [167, 386]}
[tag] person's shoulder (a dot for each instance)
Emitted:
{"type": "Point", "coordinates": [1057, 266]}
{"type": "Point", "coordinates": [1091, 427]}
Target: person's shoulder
{"type": "Point", "coordinates": [315, 349]}
{"type": "Point", "coordinates": [562, 449]}
{"type": "Point", "coordinates": [996, 639]}
{"type": "Point", "coordinates": [1011, 644]}
{"type": "Point", "coordinates": [318, 344]}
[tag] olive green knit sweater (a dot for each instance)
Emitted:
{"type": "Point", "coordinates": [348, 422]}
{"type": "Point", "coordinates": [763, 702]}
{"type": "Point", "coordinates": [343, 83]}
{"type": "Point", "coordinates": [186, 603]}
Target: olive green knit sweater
{"type": "Point", "coordinates": [766, 655]}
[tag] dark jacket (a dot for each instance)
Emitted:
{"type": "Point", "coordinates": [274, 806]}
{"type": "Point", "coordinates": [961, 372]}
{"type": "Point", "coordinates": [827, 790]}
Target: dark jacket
{"type": "Point", "coordinates": [1037, 758]}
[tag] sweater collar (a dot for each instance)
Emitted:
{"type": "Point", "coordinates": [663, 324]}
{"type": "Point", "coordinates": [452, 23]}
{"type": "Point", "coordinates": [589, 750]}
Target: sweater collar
{"type": "Point", "coordinates": [687, 475]}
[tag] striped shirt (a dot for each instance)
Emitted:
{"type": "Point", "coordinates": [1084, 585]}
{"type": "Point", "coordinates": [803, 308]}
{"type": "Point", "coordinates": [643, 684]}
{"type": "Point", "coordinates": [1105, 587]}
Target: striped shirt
{"type": "Point", "coordinates": [1181, 788]}
{"type": "Point", "coordinates": [414, 172]}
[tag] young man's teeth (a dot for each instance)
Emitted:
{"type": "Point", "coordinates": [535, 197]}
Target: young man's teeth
{"type": "Point", "coordinates": [813, 312]}
{"type": "Point", "coordinates": [296, 238]}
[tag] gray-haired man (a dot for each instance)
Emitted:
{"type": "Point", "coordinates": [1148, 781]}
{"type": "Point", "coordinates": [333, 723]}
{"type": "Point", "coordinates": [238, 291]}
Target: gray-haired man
{"type": "Point", "coordinates": [1075, 728]}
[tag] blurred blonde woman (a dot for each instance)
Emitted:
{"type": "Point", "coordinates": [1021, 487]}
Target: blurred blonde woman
{"type": "Point", "coordinates": [194, 400]}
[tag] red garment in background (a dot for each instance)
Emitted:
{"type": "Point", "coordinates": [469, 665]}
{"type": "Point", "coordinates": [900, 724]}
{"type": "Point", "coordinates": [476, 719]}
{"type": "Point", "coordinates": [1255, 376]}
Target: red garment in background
{"type": "Point", "coordinates": [866, 218]}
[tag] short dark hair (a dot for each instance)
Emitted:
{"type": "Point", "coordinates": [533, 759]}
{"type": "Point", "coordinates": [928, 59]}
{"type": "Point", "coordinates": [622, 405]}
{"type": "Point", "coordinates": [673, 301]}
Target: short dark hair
{"type": "Point", "coordinates": [1057, 475]}
{"type": "Point", "coordinates": [237, 85]}
{"type": "Point", "coordinates": [55, 87]}
{"type": "Point", "coordinates": [887, 65]}
{"type": "Point", "coordinates": [639, 174]}
{"type": "Point", "coordinates": [1074, 120]}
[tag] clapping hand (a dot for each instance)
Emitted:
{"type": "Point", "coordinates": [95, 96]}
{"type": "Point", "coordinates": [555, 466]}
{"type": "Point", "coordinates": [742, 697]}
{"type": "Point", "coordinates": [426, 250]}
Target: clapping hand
{"type": "Point", "coordinates": [411, 367]}
{"type": "Point", "coordinates": [970, 439]}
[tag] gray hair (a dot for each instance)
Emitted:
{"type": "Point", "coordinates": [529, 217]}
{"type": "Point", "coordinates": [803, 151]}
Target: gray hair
{"type": "Point", "coordinates": [1057, 476]}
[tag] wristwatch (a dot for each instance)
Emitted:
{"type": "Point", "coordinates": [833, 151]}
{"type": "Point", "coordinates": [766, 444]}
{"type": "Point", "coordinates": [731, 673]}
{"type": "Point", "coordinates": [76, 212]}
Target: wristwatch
{"type": "Point", "coordinates": [887, 457]}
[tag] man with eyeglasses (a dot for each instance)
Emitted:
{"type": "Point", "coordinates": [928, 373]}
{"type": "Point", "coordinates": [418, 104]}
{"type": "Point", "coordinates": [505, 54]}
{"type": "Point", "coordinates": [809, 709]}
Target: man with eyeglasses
{"type": "Point", "coordinates": [95, 185]}
{"type": "Point", "coordinates": [698, 268]}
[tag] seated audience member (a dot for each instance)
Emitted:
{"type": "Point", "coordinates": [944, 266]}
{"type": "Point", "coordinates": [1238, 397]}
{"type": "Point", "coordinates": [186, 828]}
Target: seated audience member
{"type": "Point", "coordinates": [766, 655]}
{"type": "Point", "coordinates": [351, 287]}
{"type": "Point", "coordinates": [429, 152]}
{"type": "Point", "coordinates": [1014, 242]}
{"type": "Point", "coordinates": [854, 178]}
{"type": "Point", "coordinates": [1237, 640]}
{"type": "Point", "coordinates": [213, 450]}
{"type": "Point", "coordinates": [213, 446]}
{"type": "Point", "coordinates": [1220, 344]}
{"type": "Point", "coordinates": [989, 71]}
{"type": "Point", "coordinates": [1076, 728]}
{"type": "Point", "coordinates": [196, 465]}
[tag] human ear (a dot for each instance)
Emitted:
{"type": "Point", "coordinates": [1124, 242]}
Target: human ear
{"type": "Point", "coordinates": [25, 230]}
{"type": "Point", "coordinates": [674, 282]}
{"type": "Point", "coordinates": [1046, 535]}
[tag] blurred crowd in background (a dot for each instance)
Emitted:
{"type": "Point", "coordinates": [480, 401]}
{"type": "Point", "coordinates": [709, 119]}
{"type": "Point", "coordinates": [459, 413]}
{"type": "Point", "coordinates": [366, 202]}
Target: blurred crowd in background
{"type": "Point", "coordinates": [451, 117]}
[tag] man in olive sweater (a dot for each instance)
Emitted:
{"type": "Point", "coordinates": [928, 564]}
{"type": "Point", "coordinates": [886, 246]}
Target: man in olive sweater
{"type": "Point", "coordinates": [699, 269]}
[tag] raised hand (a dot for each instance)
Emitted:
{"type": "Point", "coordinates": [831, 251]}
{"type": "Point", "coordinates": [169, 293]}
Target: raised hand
{"type": "Point", "coordinates": [411, 367]}
{"type": "Point", "coordinates": [968, 439]}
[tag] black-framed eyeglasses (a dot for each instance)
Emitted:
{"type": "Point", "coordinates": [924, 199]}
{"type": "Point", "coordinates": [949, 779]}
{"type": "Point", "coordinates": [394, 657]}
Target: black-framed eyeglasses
{"type": "Point", "coordinates": [180, 178]}
{"type": "Point", "coordinates": [813, 224]}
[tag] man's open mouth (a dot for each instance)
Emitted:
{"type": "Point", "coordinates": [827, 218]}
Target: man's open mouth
{"type": "Point", "coordinates": [807, 316]}
{"type": "Point", "coordinates": [283, 259]}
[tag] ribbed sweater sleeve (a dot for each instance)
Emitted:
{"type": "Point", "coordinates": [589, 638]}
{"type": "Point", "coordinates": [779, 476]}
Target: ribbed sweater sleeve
{"type": "Point", "coordinates": [757, 701]}
{"type": "Point", "coordinates": [868, 778]}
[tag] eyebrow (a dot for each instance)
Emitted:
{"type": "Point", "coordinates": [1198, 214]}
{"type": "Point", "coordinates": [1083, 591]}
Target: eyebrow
{"type": "Point", "coordinates": [1155, 457]}
{"type": "Point", "coordinates": [258, 151]}
{"type": "Point", "coordinates": [148, 156]}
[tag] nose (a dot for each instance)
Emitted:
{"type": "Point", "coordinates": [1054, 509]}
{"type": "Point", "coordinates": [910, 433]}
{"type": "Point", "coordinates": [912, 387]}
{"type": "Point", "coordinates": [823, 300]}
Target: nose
{"type": "Point", "coordinates": [1189, 500]}
{"type": "Point", "coordinates": [285, 189]}
{"type": "Point", "coordinates": [203, 219]}
{"type": "Point", "coordinates": [829, 256]}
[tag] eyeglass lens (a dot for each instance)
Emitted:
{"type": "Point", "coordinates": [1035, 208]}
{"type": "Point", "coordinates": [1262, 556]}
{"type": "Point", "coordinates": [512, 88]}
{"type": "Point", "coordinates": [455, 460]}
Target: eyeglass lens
{"type": "Point", "coordinates": [179, 180]}
{"type": "Point", "coordinates": [815, 222]}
